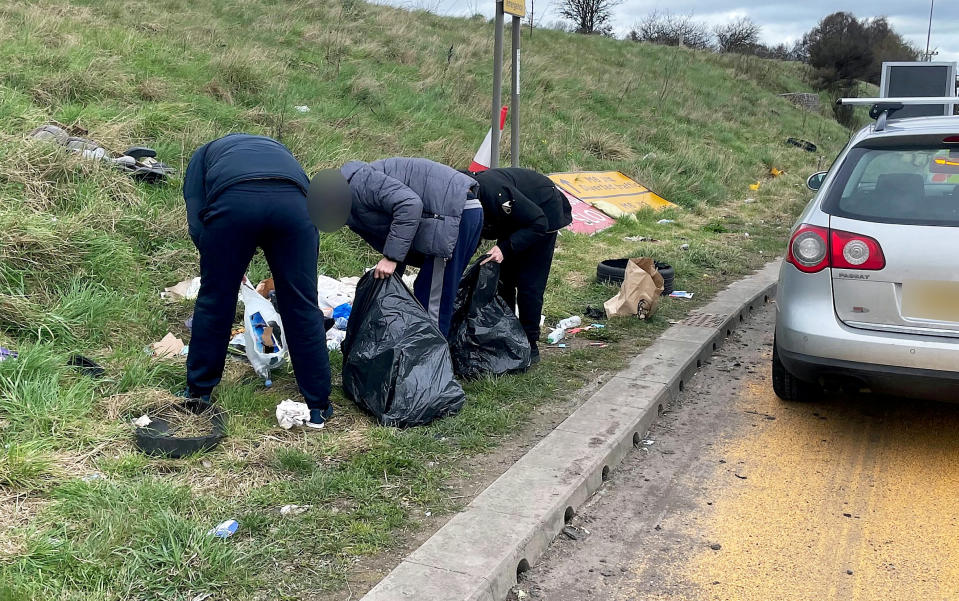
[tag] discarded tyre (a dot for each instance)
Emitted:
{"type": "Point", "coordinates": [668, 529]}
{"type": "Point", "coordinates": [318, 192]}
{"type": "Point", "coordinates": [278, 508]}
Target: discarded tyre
{"type": "Point", "coordinates": [396, 363]}
{"type": "Point", "coordinates": [486, 337]}
{"type": "Point", "coordinates": [613, 271]}
{"type": "Point", "coordinates": [805, 145]}
{"type": "Point", "coordinates": [156, 440]}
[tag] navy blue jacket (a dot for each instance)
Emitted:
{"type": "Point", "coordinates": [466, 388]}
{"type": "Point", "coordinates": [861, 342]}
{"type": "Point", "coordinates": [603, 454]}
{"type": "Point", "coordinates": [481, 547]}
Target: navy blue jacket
{"type": "Point", "coordinates": [230, 160]}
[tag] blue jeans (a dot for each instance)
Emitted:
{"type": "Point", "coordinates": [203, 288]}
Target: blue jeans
{"type": "Point", "coordinates": [439, 279]}
{"type": "Point", "coordinates": [272, 215]}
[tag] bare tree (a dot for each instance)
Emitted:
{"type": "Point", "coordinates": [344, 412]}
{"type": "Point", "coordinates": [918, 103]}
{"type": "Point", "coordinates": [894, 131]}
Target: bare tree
{"type": "Point", "coordinates": [589, 16]}
{"type": "Point", "coordinates": [671, 30]}
{"type": "Point", "coordinates": [740, 36]}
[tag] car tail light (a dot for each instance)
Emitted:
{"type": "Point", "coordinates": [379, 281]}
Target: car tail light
{"type": "Point", "coordinates": [813, 248]}
{"type": "Point", "coordinates": [808, 249]}
{"type": "Point", "coordinates": [853, 251]}
{"type": "Point", "coordinates": [951, 140]}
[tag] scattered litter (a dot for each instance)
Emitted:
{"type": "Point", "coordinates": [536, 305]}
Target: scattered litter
{"type": "Point", "coordinates": [715, 546]}
{"type": "Point", "coordinates": [93, 477]}
{"type": "Point", "coordinates": [561, 346]}
{"type": "Point", "coordinates": [342, 311]}
{"type": "Point", "coordinates": [143, 421]}
{"type": "Point", "coordinates": [749, 200]}
{"type": "Point", "coordinates": [641, 238]}
{"type": "Point", "coordinates": [556, 335]}
{"type": "Point", "coordinates": [6, 353]}
{"type": "Point", "coordinates": [202, 597]}
{"type": "Point", "coordinates": [224, 530]}
{"type": "Point", "coordinates": [169, 346]}
{"type": "Point", "coordinates": [681, 294]}
{"type": "Point", "coordinates": [341, 323]}
{"type": "Point", "coordinates": [570, 533]}
{"type": "Point", "coordinates": [776, 172]}
{"type": "Point", "coordinates": [290, 413]}
{"type": "Point", "coordinates": [755, 186]}
{"type": "Point", "coordinates": [265, 337]}
{"type": "Point", "coordinates": [666, 221]}
{"type": "Point", "coordinates": [745, 234]}
{"type": "Point", "coordinates": [335, 338]}
{"type": "Point", "coordinates": [594, 312]}
{"type": "Point", "coordinates": [684, 247]}
{"type": "Point", "coordinates": [598, 326]}
{"type": "Point", "coordinates": [428, 513]}
{"type": "Point", "coordinates": [207, 464]}
{"type": "Point", "coordinates": [570, 322]}
{"type": "Point", "coordinates": [188, 322]}
{"type": "Point", "coordinates": [521, 594]}
{"type": "Point", "coordinates": [648, 441]}
{"type": "Point", "coordinates": [138, 162]}
{"type": "Point", "coordinates": [302, 108]}
{"type": "Point", "coordinates": [599, 344]}
{"type": "Point", "coordinates": [185, 290]}
{"type": "Point", "coordinates": [294, 509]}
{"type": "Point", "coordinates": [86, 366]}
{"type": "Point", "coordinates": [266, 287]}
{"type": "Point", "coordinates": [641, 290]}
{"type": "Point", "coordinates": [333, 293]}
{"type": "Point", "coordinates": [576, 331]}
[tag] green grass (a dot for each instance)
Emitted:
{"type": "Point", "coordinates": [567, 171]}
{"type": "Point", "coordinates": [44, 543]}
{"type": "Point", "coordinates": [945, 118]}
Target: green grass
{"type": "Point", "coordinates": [84, 253]}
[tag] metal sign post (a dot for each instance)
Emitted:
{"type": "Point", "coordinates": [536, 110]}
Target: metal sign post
{"type": "Point", "coordinates": [516, 8]}
{"type": "Point", "coordinates": [514, 120]}
{"type": "Point", "coordinates": [497, 84]}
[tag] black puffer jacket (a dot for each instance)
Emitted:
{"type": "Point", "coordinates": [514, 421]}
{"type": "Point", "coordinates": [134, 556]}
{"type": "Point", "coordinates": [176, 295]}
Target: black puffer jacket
{"type": "Point", "coordinates": [520, 206]}
{"type": "Point", "coordinates": [404, 204]}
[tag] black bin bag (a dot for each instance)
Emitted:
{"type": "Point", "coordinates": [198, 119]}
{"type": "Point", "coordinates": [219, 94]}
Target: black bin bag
{"type": "Point", "coordinates": [396, 363]}
{"type": "Point", "coordinates": [485, 337]}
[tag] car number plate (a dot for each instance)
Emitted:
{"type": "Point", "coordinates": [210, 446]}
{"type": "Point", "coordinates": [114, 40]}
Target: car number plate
{"type": "Point", "coordinates": [938, 301]}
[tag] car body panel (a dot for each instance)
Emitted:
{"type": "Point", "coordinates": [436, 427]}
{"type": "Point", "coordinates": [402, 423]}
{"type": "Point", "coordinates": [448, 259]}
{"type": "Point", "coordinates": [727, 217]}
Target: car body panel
{"type": "Point", "coordinates": [867, 324]}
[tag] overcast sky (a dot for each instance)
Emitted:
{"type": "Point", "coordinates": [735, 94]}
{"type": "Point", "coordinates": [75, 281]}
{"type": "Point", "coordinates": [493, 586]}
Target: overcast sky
{"type": "Point", "coordinates": [781, 20]}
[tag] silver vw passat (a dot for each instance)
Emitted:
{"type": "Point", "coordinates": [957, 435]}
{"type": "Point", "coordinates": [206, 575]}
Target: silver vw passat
{"type": "Point", "coordinates": [869, 292]}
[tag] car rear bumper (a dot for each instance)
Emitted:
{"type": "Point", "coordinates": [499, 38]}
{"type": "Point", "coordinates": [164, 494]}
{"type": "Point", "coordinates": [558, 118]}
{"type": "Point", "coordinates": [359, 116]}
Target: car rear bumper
{"type": "Point", "coordinates": [813, 341]}
{"type": "Point", "coordinates": [886, 379]}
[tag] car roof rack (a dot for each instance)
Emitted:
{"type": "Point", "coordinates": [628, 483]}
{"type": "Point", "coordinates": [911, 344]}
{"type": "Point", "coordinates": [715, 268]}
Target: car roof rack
{"type": "Point", "coordinates": [883, 108]}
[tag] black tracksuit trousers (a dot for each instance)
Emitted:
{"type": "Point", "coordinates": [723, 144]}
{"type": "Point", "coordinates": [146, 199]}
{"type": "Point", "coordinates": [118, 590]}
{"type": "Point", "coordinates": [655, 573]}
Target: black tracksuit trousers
{"type": "Point", "coordinates": [272, 215]}
{"type": "Point", "coordinates": [523, 277]}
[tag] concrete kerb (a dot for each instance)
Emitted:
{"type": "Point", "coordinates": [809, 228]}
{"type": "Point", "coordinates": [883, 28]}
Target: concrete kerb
{"type": "Point", "coordinates": [478, 555]}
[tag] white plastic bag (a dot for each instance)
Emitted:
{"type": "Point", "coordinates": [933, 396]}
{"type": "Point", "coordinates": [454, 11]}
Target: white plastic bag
{"type": "Point", "coordinates": [258, 315]}
{"type": "Point", "coordinates": [289, 413]}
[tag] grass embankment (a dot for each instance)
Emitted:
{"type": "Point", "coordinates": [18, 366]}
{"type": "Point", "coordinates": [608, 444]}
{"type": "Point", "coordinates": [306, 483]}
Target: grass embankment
{"type": "Point", "coordinates": [84, 253]}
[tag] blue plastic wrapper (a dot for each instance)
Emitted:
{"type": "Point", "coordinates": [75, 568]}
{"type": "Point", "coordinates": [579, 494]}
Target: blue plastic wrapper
{"type": "Point", "coordinates": [343, 310]}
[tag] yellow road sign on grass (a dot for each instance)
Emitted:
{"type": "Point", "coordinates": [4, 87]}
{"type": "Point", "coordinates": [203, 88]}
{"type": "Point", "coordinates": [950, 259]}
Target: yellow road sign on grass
{"type": "Point", "coordinates": [610, 191]}
{"type": "Point", "coordinates": [515, 7]}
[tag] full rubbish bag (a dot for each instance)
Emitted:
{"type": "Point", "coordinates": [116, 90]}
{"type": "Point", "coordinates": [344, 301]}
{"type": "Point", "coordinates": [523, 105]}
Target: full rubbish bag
{"type": "Point", "coordinates": [263, 333]}
{"type": "Point", "coordinates": [485, 337]}
{"type": "Point", "coordinates": [396, 363]}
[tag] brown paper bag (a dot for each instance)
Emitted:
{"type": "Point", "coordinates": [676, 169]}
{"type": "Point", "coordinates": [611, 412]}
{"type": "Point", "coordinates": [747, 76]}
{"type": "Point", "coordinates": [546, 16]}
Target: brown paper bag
{"type": "Point", "coordinates": [640, 292]}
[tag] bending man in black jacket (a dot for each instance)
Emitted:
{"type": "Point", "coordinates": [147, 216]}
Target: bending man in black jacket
{"type": "Point", "coordinates": [523, 211]}
{"type": "Point", "coordinates": [244, 192]}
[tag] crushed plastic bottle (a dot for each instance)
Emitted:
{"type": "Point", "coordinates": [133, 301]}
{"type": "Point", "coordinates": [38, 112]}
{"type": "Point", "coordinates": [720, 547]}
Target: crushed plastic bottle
{"type": "Point", "coordinates": [570, 322]}
{"type": "Point", "coordinates": [556, 335]}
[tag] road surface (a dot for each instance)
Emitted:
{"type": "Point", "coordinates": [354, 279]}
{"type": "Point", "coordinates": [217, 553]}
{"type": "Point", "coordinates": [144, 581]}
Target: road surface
{"type": "Point", "coordinates": [736, 495]}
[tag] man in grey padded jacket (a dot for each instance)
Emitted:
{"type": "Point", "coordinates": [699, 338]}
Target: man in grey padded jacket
{"type": "Point", "coordinates": [418, 212]}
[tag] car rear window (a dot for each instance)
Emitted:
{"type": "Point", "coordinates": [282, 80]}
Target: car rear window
{"type": "Point", "coordinates": [908, 185]}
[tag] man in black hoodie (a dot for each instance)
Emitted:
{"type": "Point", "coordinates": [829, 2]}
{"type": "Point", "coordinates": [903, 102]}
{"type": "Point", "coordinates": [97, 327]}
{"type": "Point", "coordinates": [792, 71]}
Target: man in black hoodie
{"type": "Point", "coordinates": [244, 192]}
{"type": "Point", "coordinates": [523, 211]}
